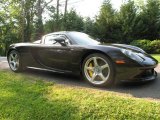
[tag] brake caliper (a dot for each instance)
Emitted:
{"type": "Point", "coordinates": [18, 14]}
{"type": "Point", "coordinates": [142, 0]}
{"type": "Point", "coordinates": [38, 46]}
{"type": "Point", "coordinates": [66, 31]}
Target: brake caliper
{"type": "Point", "coordinates": [90, 72]}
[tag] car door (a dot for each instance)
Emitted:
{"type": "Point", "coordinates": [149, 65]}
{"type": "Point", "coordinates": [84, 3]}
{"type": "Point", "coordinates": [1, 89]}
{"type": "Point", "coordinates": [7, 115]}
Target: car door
{"type": "Point", "coordinates": [53, 55]}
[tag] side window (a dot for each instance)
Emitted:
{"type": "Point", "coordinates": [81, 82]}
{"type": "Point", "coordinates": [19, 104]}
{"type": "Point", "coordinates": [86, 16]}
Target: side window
{"type": "Point", "coordinates": [49, 40]}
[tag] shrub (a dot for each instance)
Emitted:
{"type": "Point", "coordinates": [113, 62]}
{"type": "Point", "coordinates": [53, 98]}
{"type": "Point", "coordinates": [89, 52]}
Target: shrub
{"type": "Point", "coordinates": [155, 46]}
{"type": "Point", "coordinates": [147, 45]}
{"type": "Point", "coordinates": [144, 44]}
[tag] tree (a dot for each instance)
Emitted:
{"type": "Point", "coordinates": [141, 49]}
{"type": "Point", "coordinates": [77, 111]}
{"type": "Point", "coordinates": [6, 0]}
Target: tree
{"type": "Point", "coordinates": [150, 17]}
{"type": "Point", "coordinates": [127, 20]}
{"type": "Point", "coordinates": [73, 21]}
{"type": "Point", "coordinates": [9, 28]}
{"type": "Point", "coordinates": [105, 22]}
{"type": "Point", "coordinates": [28, 13]}
{"type": "Point", "coordinates": [89, 27]}
{"type": "Point", "coordinates": [39, 9]}
{"type": "Point", "coordinates": [53, 25]}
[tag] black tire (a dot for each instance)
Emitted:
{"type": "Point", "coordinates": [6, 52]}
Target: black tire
{"type": "Point", "coordinates": [14, 61]}
{"type": "Point", "coordinates": [97, 71]}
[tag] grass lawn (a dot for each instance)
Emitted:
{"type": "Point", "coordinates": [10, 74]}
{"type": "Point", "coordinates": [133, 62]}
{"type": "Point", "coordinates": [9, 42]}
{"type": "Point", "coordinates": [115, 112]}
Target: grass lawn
{"type": "Point", "coordinates": [27, 98]}
{"type": "Point", "coordinates": [156, 56]}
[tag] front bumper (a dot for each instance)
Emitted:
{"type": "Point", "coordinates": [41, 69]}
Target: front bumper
{"type": "Point", "coordinates": [146, 75]}
{"type": "Point", "coordinates": [136, 74]}
{"type": "Point", "coordinates": [134, 71]}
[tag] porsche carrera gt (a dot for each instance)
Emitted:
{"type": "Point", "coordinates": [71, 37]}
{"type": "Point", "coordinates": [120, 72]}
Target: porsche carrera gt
{"type": "Point", "coordinates": [75, 52]}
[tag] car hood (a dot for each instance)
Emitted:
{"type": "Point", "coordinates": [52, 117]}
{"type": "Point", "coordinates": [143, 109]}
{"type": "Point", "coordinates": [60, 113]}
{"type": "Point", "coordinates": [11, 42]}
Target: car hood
{"type": "Point", "coordinates": [129, 47]}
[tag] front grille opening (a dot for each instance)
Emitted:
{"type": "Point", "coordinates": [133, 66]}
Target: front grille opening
{"type": "Point", "coordinates": [145, 73]}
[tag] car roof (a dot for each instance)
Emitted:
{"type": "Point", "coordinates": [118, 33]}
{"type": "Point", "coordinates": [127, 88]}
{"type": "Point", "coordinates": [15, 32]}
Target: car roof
{"type": "Point", "coordinates": [61, 32]}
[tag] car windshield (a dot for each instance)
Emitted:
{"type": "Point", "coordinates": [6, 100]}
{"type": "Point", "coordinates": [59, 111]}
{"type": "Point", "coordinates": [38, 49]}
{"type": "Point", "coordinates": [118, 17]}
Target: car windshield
{"type": "Point", "coordinates": [83, 39]}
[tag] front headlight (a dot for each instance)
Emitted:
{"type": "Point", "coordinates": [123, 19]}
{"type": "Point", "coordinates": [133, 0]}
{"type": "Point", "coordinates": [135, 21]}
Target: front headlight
{"type": "Point", "coordinates": [133, 55]}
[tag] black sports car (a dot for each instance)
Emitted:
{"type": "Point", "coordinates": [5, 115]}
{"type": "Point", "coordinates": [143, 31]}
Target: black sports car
{"type": "Point", "coordinates": [76, 52]}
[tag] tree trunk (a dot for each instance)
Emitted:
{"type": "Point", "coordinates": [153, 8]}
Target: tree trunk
{"type": "Point", "coordinates": [39, 23]}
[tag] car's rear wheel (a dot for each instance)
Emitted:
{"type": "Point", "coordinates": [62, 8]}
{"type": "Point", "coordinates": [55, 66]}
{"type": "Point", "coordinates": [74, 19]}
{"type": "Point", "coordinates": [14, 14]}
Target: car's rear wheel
{"type": "Point", "coordinates": [14, 61]}
{"type": "Point", "coordinates": [98, 70]}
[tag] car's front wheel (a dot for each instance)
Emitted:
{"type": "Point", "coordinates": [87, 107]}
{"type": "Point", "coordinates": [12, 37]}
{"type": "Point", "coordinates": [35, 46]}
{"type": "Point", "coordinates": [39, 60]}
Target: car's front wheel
{"type": "Point", "coordinates": [98, 70]}
{"type": "Point", "coordinates": [14, 61]}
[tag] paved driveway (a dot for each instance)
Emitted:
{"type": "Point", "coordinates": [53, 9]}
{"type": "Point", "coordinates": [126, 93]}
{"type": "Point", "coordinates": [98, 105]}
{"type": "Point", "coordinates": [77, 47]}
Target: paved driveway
{"type": "Point", "coordinates": [3, 63]}
{"type": "Point", "coordinates": [145, 90]}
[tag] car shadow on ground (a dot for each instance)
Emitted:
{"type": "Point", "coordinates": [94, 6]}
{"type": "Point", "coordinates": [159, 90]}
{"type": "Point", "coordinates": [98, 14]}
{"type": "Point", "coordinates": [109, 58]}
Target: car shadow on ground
{"type": "Point", "coordinates": [139, 90]}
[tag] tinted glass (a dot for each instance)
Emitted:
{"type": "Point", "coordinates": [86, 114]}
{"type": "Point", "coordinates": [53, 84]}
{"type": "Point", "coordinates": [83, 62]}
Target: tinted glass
{"type": "Point", "coordinates": [82, 38]}
{"type": "Point", "coordinates": [50, 40]}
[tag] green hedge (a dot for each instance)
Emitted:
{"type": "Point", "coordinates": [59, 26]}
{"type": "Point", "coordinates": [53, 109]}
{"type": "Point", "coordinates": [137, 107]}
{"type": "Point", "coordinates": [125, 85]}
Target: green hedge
{"type": "Point", "coordinates": [155, 46]}
{"type": "Point", "coordinates": [147, 45]}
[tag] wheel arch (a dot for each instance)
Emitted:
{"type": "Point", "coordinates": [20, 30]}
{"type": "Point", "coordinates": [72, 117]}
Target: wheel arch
{"type": "Point", "coordinates": [93, 52]}
{"type": "Point", "coordinates": [10, 51]}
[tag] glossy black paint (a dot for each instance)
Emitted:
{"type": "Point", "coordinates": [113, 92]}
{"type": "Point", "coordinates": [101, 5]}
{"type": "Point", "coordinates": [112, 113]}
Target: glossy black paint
{"type": "Point", "coordinates": [70, 58]}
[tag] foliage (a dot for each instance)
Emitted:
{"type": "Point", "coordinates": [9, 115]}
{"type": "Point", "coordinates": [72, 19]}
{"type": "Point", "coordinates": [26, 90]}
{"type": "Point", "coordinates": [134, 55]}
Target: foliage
{"type": "Point", "coordinates": [105, 22]}
{"type": "Point", "coordinates": [149, 21]}
{"type": "Point", "coordinates": [40, 5]}
{"type": "Point", "coordinates": [156, 56]}
{"type": "Point", "coordinates": [27, 15]}
{"type": "Point", "coordinates": [89, 26]}
{"type": "Point", "coordinates": [147, 45]}
{"type": "Point", "coordinates": [69, 22]}
{"type": "Point", "coordinates": [17, 22]}
{"type": "Point", "coordinates": [155, 46]}
{"type": "Point", "coordinates": [130, 23]}
{"type": "Point", "coordinates": [127, 18]}
{"type": "Point", "coordinates": [144, 44]}
{"type": "Point", "coordinates": [25, 97]}
{"type": "Point", "coordinates": [51, 24]}
{"type": "Point", "coordinates": [8, 25]}
{"type": "Point", "coordinates": [73, 22]}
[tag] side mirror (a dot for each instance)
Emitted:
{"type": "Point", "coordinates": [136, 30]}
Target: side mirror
{"type": "Point", "coordinates": [61, 41]}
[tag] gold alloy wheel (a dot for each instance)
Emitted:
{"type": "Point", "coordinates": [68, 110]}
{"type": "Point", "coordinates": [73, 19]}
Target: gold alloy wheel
{"type": "Point", "coordinates": [97, 70]}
